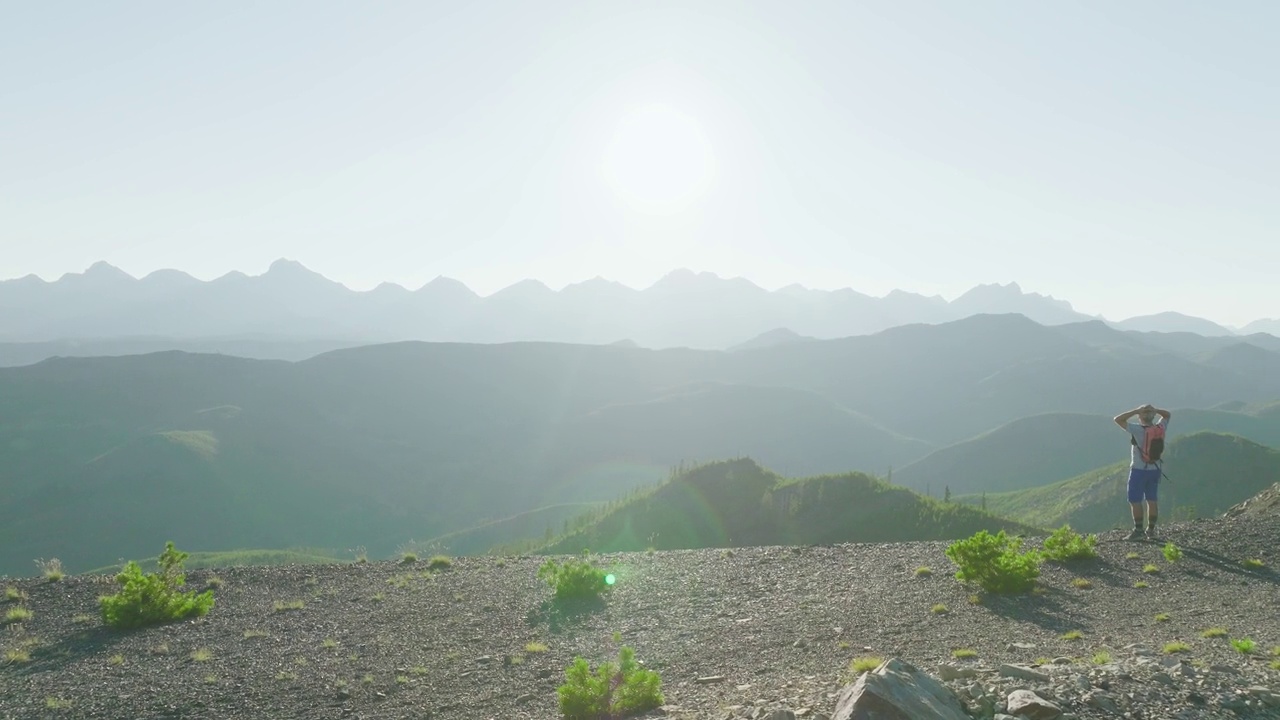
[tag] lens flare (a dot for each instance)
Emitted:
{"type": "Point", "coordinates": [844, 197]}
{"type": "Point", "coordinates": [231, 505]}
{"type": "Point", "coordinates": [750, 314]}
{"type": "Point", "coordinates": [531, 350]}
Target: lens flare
{"type": "Point", "coordinates": [610, 579]}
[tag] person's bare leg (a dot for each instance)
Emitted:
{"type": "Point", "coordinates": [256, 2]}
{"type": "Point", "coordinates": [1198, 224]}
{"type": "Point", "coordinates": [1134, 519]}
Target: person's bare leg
{"type": "Point", "coordinates": [1151, 517]}
{"type": "Point", "coordinates": [1136, 508]}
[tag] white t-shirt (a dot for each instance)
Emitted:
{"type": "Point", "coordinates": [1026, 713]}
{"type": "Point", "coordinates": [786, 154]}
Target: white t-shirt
{"type": "Point", "coordinates": [1139, 434]}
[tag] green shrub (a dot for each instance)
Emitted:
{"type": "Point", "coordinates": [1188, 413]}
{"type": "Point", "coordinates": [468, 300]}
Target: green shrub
{"type": "Point", "coordinates": [1102, 657]}
{"type": "Point", "coordinates": [1172, 552]}
{"type": "Point", "coordinates": [439, 562]}
{"type": "Point", "coordinates": [154, 598]}
{"type": "Point", "coordinates": [1065, 545]}
{"type": "Point", "coordinates": [859, 665]}
{"type": "Point", "coordinates": [1244, 645]}
{"type": "Point", "coordinates": [993, 561]}
{"type": "Point", "coordinates": [575, 579]}
{"type": "Point", "coordinates": [17, 615]}
{"type": "Point", "coordinates": [611, 691]}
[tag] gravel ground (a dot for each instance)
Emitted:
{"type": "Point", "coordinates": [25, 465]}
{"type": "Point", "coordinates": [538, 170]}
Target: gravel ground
{"type": "Point", "coordinates": [732, 633]}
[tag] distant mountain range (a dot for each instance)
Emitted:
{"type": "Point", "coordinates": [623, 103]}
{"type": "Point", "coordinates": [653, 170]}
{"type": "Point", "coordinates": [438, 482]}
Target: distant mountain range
{"type": "Point", "coordinates": [291, 304]}
{"type": "Point", "coordinates": [382, 444]}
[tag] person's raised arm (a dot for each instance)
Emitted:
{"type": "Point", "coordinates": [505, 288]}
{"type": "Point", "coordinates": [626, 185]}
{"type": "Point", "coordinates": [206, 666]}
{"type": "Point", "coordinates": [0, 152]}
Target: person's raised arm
{"type": "Point", "coordinates": [1123, 418]}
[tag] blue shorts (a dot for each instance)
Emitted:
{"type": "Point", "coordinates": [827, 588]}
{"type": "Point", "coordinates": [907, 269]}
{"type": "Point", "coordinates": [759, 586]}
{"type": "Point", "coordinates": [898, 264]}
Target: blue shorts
{"type": "Point", "coordinates": [1143, 482]}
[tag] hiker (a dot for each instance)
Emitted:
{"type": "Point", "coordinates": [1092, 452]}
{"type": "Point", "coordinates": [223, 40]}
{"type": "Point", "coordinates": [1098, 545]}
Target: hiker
{"type": "Point", "coordinates": [1146, 438]}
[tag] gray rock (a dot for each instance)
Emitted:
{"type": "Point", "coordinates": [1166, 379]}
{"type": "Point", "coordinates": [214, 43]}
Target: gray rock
{"type": "Point", "coordinates": [1102, 701]}
{"type": "Point", "coordinates": [707, 679]}
{"type": "Point", "coordinates": [1265, 694]}
{"type": "Point", "coordinates": [1224, 669]}
{"type": "Point", "coordinates": [1027, 704]}
{"type": "Point", "coordinates": [949, 672]}
{"type": "Point", "coordinates": [527, 697]}
{"type": "Point", "coordinates": [897, 691]}
{"type": "Point", "coordinates": [1083, 683]}
{"type": "Point", "coordinates": [1162, 678]}
{"type": "Point", "coordinates": [1231, 701]}
{"type": "Point", "coordinates": [1062, 661]}
{"type": "Point", "coordinates": [1023, 673]}
{"type": "Point", "coordinates": [779, 714]}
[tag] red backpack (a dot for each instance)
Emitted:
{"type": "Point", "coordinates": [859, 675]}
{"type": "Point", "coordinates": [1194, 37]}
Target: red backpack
{"type": "Point", "coordinates": [1152, 443]}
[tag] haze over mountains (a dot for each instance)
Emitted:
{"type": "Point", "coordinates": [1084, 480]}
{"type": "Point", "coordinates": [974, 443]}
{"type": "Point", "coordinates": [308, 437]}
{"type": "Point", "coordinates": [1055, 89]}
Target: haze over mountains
{"type": "Point", "coordinates": [290, 312]}
{"type": "Point", "coordinates": [383, 444]}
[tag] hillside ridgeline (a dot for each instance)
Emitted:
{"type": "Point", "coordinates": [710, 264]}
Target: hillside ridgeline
{"type": "Point", "coordinates": [737, 503]}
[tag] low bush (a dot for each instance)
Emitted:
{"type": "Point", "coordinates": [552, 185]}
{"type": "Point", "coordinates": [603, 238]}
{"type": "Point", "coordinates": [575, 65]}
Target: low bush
{"type": "Point", "coordinates": [1065, 545]}
{"type": "Point", "coordinates": [994, 562]}
{"type": "Point", "coordinates": [611, 691]}
{"type": "Point", "coordinates": [154, 598]}
{"type": "Point", "coordinates": [575, 579]}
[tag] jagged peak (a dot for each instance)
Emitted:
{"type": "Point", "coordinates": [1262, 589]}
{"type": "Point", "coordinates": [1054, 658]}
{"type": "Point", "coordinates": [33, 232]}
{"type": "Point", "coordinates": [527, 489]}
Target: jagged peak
{"type": "Point", "coordinates": [100, 271]}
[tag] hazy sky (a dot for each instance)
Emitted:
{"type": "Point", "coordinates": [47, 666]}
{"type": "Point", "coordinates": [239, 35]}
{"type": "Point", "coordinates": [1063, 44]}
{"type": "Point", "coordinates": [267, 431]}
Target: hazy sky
{"type": "Point", "coordinates": [1124, 156]}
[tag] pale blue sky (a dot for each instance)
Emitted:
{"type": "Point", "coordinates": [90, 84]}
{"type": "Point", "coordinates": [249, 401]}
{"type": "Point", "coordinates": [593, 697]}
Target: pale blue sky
{"type": "Point", "coordinates": [1121, 155]}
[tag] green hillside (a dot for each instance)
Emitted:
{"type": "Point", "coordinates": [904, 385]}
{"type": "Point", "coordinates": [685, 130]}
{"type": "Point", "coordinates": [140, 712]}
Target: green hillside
{"type": "Point", "coordinates": [1041, 449]}
{"type": "Point", "coordinates": [737, 503]}
{"type": "Point", "coordinates": [1208, 473]}
{"type": "Point", "coordinates": [101, 457]}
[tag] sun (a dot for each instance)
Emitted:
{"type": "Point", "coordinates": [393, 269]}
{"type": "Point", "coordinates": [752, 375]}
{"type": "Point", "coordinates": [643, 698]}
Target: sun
{"type": "Point", "coordinates": [659, 160]}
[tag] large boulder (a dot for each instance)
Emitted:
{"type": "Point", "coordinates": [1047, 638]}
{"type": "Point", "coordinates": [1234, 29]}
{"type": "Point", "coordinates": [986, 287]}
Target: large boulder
{"type": "Point", "coordinates": [896, 690]}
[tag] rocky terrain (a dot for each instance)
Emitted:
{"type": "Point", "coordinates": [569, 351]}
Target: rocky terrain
{"type": "Point", "coordinates": [766, 632]}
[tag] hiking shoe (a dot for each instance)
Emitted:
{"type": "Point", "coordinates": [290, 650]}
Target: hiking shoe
{"type": "Point", "coordinates": [1136, 534]}
{"type": "Point", "coordinates": [1151, 534]}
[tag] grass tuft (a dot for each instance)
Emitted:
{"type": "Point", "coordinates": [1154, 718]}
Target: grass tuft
{"type": "Point", "coordinates": [1176, 647]}
{"type": "Point", "coordinates": [1162, 617]}
{"type": "Point", "coordinates": [1141, 584]}
{"type": "Point", "coordinates": [1253, 564]}
{"type": "Point", "coordinates": [1150, 569]}
{"type": "Point", "coordinates": [439, 562]}
{"type": "Point", "coordinates": [202, 655]}
{"type": "Point", "coordinates": [1214, 632]}
{"type": "Point", "coordinates": [923, 571]}
{"type": "Point", "coordinates": [1244, 646]}
{"type": "Point", "coordinates": [51, 569]}
{"type": "Point", "coordinates": [939, 609]}
{"type": "Point", "coordinates": [859, 665]}
{"type": "Point", "coordinates": [964, 653]}
{"type": "Point", "coordinates": [535, 647]}
{"type": "Point", "coordinates": [1082, 583]}
{"type": "Point", "coordinates": [1102, 657]}
{"type": "Point", "coordinates": [1072, 635]}
{"type": "Point", "coordinates": [17, 615]}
